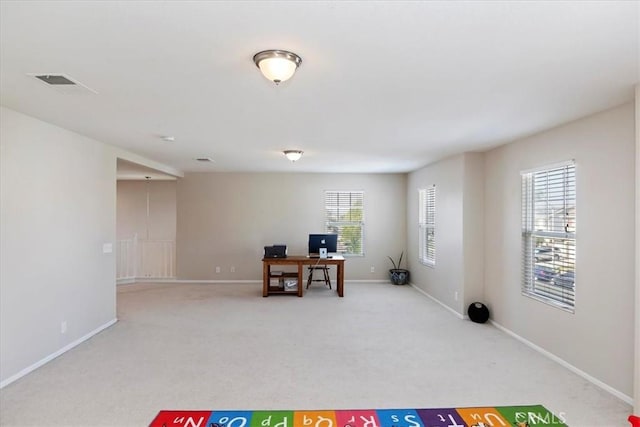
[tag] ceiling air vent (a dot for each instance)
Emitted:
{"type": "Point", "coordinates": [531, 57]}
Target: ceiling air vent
{"type": "Point", "coordinates": [62, 83]}
{"type": "Point", "coordinates": [55, 79]}
{"type": "Point", "coordinates": [204, 159]}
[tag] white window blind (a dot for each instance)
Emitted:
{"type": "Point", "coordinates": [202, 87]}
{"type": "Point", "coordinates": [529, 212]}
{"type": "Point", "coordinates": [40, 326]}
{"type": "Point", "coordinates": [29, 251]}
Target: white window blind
{"type": "Point", "coordinates": [549, 235]}
{"type": "Point", "coordinates": [427, 225]}
{"type": "Point", "coordinates": [344, 216]}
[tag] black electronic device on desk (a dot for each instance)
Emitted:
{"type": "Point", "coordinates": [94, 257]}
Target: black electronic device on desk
{"type": "Point", "coordinates": [275, 251]}
{"type": "Point", "coordinates": [322, 245]}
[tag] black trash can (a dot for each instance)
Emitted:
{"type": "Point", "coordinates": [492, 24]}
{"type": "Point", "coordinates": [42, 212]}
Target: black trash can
{"type": "Point", "coordinates": [478, 312]}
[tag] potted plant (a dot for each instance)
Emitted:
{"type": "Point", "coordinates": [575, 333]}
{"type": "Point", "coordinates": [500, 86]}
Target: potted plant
{"type": "Point", "coordinates": [398, 275]}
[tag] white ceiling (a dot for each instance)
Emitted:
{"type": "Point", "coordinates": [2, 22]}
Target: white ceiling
{"type": "Point", "coordinates": [383, 87]}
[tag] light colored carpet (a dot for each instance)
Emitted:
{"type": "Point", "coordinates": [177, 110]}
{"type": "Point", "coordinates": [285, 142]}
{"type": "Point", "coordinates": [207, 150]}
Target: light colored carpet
{"type": "Point", "coordinates": [197, 346]}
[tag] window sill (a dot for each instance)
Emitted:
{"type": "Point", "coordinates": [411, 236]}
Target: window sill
{"type": "Point", "coordinates": [548, 301]}
{"type": "Point", "coordinates": [428, 264]}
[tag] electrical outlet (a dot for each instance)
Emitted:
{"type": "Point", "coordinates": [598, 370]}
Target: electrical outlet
{"type": "Point", "coordinates": [373, 269]}
{"type": "Point", "coordinates": [233, 269]}
{"type": "Point", "coordinates": [63, 327]}
{"type": "Point", "coordinates": [455, 295]}
{"type": "Point", "coordinates": [217, 269]}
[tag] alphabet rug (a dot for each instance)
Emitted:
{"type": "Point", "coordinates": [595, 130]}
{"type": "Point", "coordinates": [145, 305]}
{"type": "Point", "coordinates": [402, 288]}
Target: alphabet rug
{"type": "Point", "coordinates": [494, 416]}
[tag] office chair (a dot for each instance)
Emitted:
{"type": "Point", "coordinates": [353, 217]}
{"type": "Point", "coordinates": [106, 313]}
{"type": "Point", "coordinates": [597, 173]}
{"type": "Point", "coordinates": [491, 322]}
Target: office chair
{"type": "Point", "coordinates": [325, 271]}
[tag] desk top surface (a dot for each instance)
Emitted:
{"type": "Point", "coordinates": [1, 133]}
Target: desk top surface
{"type": "Point", "coordinates": [305, 258]}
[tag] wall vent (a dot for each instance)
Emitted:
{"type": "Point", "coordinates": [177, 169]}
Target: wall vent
{"type": "Point", "coordinates": [204, 159]}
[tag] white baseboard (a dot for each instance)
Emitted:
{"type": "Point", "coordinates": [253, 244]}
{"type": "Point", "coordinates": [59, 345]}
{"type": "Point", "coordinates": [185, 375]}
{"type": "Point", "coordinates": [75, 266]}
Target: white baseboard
{"type": "Point", "coordinates": [423, 292]}
{"type": "Point", "coordinates": [368, 281]}
{"type": "Point", "coordinates": [620, 395]}
{"type": "Point", "coordinates": [208, 281]}
{"type": "Point", "coordinates": [154, 279]}
{"type": "Point", "coordinates": [131, 280]}
{"type": "Point", "coordinates": [49, 358]}
{"type": "Point", "coordinates": [178, 281]}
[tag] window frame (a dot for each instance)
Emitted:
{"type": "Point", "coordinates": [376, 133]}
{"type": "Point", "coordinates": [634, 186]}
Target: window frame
{"type": "Point", "coordinates": [427, 226]}
{"type": "Point", "coordinates": [544, 190]}
{"type": "Point", "coordinates": [332, 225]}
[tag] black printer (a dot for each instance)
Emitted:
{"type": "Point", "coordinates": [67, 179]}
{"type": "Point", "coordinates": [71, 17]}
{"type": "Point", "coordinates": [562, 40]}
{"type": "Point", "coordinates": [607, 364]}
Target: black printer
{"type": "Point", "coordinates": [275, 251]}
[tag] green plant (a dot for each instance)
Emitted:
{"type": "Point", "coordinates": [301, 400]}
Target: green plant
{"type": "Point", "coordinates": [396, 266]}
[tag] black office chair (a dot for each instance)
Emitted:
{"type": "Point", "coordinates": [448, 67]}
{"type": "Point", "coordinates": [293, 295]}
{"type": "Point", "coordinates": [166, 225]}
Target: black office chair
{"type": "Point", "coordinates": [325, 272]}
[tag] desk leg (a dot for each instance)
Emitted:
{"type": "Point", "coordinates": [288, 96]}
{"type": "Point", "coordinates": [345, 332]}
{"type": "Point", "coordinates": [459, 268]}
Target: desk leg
{"type": "Point", "coordinates": [300, 279]}
{"type": "Point", "coordinates": [265, 279]}
{"type": "Point", "coordinates": [340, 277]}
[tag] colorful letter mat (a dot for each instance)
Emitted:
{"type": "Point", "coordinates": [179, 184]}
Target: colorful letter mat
{"type": "Point", "coordinates": [499, 416]}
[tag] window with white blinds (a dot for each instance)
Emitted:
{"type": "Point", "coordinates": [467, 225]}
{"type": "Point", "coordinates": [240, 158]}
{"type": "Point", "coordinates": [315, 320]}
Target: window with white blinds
{"type": "Point", "coordinates": [549, 234]}
{"type": "Point", "coordinates": [427, 225]}
{"type": "Point", "coordinates": [344, 216]}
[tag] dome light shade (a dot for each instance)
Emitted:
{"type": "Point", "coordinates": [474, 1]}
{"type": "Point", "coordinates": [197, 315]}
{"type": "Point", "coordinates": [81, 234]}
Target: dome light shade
{"type": "Point", "coordinates": [293, 155]}
{"type": "Point", "coordinates": [277, 65]}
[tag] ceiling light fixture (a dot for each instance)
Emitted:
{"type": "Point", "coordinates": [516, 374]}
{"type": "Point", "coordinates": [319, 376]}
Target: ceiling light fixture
{"type": "Point", "coordinates": [293, 155]}
{"type": "Point", "coordinates": [277, 65]}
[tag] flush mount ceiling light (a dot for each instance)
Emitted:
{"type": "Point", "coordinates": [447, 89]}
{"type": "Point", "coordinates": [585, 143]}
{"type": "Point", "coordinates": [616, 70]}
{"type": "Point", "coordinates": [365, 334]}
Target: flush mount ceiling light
{"type": "Point", "coordinates": [293, 155]}
{"type": "Point", "coordinates": [277, 65]}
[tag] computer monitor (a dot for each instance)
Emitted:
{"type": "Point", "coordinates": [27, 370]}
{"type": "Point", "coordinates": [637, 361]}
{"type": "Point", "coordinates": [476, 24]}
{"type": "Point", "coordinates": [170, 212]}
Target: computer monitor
{"type": "Point", "coordinates": [317, 241]}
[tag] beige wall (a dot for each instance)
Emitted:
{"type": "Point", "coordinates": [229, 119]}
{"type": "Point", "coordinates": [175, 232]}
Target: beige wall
{"type": "Point", "coordinates": [636, 401]}
{"type": "Point", "coordinates": [225, 220]}
{"type": "Point", "coordinates": [456, 279]}
{"type": "Point", "coordinates": [447, 276]}
{"type": "Point", "coordinates": [134, 217]}
{"type": "Point", "coordinates": [57, 209]}
{"type": "Point", "coordinates": [473, 235]}
{"type": "Point", "coordinates": [598, 338]}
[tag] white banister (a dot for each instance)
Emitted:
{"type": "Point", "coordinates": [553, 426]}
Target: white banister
{"type": "Point", "coordinates": [125, 260]}
{"type": "Point", "coordinates": [145, 258]}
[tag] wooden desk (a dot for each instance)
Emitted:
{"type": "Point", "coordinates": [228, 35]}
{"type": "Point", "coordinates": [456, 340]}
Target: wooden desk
{"type": "Point", "coordinates": [300, 261]}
